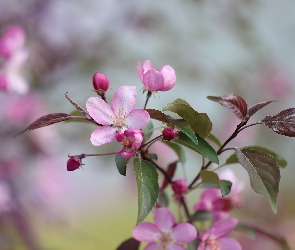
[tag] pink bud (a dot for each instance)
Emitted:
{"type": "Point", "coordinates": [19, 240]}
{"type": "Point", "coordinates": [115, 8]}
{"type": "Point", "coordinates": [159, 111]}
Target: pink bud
{"type": "Point", "coordinates": [100, 82]}
{"type": "Point", "coordinates": [179, 186]}
{"type": "Point", "coordinates": [75, 162]}
{"type": "Point", "coordinates": [169, 134]}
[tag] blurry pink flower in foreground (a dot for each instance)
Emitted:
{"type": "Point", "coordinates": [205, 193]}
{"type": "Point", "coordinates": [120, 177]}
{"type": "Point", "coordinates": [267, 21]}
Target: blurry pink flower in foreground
{"type": "Point", "coordinates": [15, 56]}
{"type": "Point", "coordinates": [215, 237]}
{"type": "Point", "coordinates": [211, 198]}
{"type": "Point", "coordinates": [121, 116]}
{"type": "Point", "coordinates": [155, 80]}
{"type": "Point", "coordinates": [163, 234]}
{"type": "Point", "coordinates": [131, 141]}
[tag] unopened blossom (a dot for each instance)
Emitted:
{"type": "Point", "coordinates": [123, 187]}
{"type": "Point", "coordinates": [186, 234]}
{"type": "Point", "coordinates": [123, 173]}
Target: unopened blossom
{"type": "Point", "coordinates": [100, 82]}
{"type": "Point", "coordinates": [120, 116]}
{"type": "Point", "coordinates": [179, 186]}
{"type": "Point", "coordinates": [164, 235]}
{"type": "Point", "coordinates": [169, 134]}
{"type": "Point", "coordinates": [154, 80]}
{"type": "Point", "coordinates": [15, 56]}
{"type": "Point", "coordinates": [131, 141]}
{"type": "Point", "coordinates": [75, 162]}
{"type": "Point", "coordinates": [216, 237]}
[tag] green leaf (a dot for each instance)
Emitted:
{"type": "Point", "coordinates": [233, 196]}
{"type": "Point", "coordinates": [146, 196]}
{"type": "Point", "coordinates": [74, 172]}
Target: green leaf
{"type": "Point", "coordinates": [199, 122]}
{"type": "Point", "coordinates": [193, 245]}
{"type": "Point", "coordinates": [184, 127]}
{"type": "Point", "coordinates": [153, 156]}
{"type": "Point", "coordinates": [210, 176]}
{"type": "Point", "coordinates": [203, 147]}
{"type": "Point", "coordinates": [202, 215]}
{"type": "Point", "coordinates": [225, 187]}
{"type": "Point", "coordinates": [213, 178]}
{"type": "Point", "coordinates": [147, 185]}
{"type": "Point", "coordinates": [213, 138]}
{"type": "Point", "coordinates": [264, 173]}
{"type": "Point", "coordinates": [164, 199]}
{"type": "Point", "coordinates": [178, 150]}
{"type": "Point", "coordinates": [146, 131]}
{"type": "Point", "coordinates": [121, 164]}
{"type": "Point", "coordinates": [247, 230]}
{"type": "Point", "coordinates": [160, 116]}
{"type": "Point", "coordinates": [280, 160]}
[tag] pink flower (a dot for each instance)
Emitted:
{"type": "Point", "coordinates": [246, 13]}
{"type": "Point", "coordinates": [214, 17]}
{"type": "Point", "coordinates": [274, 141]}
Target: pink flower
{"type": "Point", "coordinates": [163, 234]}
{"type": "Point", "coordinates": [179, 186]}
{"type": "Point", "coordinates": [132, 139]}
{"type": "Point", "coordinates": [155, 80]}
{"type": "Point", "coordinates": [100, 82]}
{"type": "Point", "coordinates": [121, 116]}
{"type": "Point", "coordinates": [169, 134]}
{"type": "Point", "coordinates": [215, 237]}
{"type": "Point", "coordinates": [212, 200]}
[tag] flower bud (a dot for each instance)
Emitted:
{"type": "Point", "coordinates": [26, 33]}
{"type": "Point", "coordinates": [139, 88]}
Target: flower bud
{"type": "Point", "coordinates": [100, 83]}
{"type": "Point", "coordinates": [75, 162]}
{"type": "Point", "coordinates": [169, 134]}
{"type": "Point", "coordinates": [179, 186]}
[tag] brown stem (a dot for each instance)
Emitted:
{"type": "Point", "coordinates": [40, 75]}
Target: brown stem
{"type": "Point", "coordinates": [149, 93]}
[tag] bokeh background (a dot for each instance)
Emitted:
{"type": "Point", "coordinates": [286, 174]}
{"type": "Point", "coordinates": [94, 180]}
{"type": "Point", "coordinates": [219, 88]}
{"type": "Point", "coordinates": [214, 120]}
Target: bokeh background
{"type": "Point", "coordinates": [215, 46]}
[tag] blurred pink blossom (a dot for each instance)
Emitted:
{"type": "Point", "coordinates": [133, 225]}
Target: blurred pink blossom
{"type": "Point", "coordinates": [163, 234]}
{"type": "Point", "coordinates": [15, 56]}
{"type": "Point", "coordinates": [215, 237]}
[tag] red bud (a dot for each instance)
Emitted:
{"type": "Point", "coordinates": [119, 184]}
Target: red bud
{"type": "Point", "coordinates": [100, 82]}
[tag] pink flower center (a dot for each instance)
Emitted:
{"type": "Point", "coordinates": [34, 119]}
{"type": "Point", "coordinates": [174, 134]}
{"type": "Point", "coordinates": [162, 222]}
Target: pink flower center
{"type": "Point", "coordinates": [119, 119]}
{"type": "Point", "coordinates": [164, 239]}
{"type": "Point", "coordinates": [213, 244]}
{"type": "Point", "coordinates": [127, 143]}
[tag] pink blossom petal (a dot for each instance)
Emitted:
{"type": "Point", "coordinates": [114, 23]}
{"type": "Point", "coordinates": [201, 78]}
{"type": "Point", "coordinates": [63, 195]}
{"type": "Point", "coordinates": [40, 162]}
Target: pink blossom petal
{"type": "Point", "coordinates": [99, 110]}
{"type": "Point", "coordinates": [124, 99]}
{"type": "Point", "coordinates": [138, 118]}
{"type": "Point", "coordinates": [228, 243]}
{"type": "Point", "coordinates": [103, 135]}
{"type": "Point", "coordinates": [139, 70]}
{"type": "Point", "coordinates": [126, 153]}
{"type": "Point", "coordinates": [164, 219]}
{"type": "Point", "coordinates": [169, 77]}
{"type": "Point", "coordinates": [202, 246]}
{"type": "Point", "coordinates": [147, 66]}
{"type": "Point", "coordinates": [184, 232]}
{"type": "Point", "coordinates": [220, 229]}
{"type": "Point", "coordinates": [138, 138]}
{"type": "Point", "coordinates": [153, 246]}
{"type": "Point", "coordinates": [153, 80]}
{"type": "Point", "coordinates": [146, 232]}
{"type": "Point", "coordinates": [208, 196]}
{"type": "Point", "coordinates": [175, 246]}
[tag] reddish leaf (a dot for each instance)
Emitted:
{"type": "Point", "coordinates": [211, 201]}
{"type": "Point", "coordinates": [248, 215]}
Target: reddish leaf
{"type": "Point", "coordinates": [160, 116]}
{"type": "Point", "coordinates": [46, 120]}
{"type": "Point", "coordinates": [130, 244]}
{"type": "Point", "coordinates": [233, 102]}
{"type": "Point", "coordinates": [282, 123]}
{"type": "Point", "coordinates": [263, 171]}
{"type": "Point", "coordinates": [170, 172]}
{"type": "Point", "coordinates": [253, 109]}
{"type": "Point", "coordinates": [77, 106]}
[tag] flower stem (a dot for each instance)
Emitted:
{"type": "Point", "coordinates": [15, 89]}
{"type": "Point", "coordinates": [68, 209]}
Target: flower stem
{"type": "Point", "coordinates": [149, 93]}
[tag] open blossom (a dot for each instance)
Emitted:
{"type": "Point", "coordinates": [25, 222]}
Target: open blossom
{"type": "Point", "coordinates": [15, 56]}
{"type": "Point", "coordinates": [215, 237]}
{"type": "Point", "coordinates": [154, 80]}
{"type": "Point", "coordinates": [211, 198]}
{"type": "Point", "coordinates": [163, 234]}
{"type": "Point", "coordinates": [131, 141]}
{"type": "Point", "coordinates": [120, 116]}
